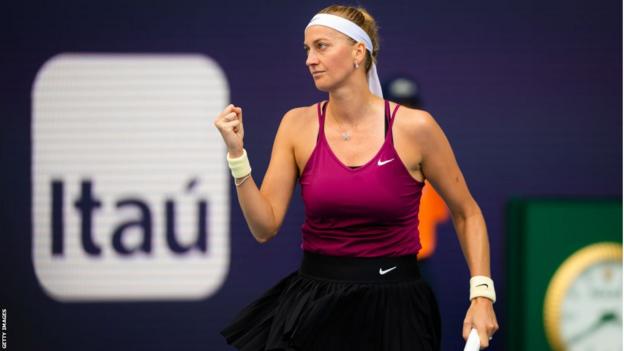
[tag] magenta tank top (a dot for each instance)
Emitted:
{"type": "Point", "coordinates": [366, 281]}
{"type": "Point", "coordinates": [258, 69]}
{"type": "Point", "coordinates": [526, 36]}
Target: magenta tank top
{"type": "Point", "coordinates": [368, 211]}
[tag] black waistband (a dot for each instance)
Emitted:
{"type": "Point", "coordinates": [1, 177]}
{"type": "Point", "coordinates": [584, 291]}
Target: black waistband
{"type": "Point", "coordinates": [395, 268]}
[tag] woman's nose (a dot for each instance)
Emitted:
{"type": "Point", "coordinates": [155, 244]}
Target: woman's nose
{"type": "Point", "coordinates": [311, 59]}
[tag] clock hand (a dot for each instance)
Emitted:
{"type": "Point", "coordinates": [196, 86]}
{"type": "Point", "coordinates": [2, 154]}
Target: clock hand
{"type": "Point", "coordinates": [605, 318]}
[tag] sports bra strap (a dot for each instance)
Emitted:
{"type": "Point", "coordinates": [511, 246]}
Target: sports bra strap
{"type": "Point", "coordinates": [322, 105]}
{"type": "Point", "coordinates": [395, 110]}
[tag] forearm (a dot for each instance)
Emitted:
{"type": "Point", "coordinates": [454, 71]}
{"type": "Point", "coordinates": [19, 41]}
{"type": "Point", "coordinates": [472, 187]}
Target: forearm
{"type": "Point", "coordinates": [472, 234]}
{"type": "Point", "coordinates": [256, 209]}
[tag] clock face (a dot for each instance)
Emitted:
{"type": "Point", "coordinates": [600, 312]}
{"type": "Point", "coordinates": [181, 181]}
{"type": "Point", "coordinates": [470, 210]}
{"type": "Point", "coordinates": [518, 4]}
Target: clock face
{"type": "Point", "coordinates": [591, 312]}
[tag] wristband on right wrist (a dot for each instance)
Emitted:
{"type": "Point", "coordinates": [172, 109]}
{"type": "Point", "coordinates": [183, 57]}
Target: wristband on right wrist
{"type": "Point", "coordinates": [239, 166]}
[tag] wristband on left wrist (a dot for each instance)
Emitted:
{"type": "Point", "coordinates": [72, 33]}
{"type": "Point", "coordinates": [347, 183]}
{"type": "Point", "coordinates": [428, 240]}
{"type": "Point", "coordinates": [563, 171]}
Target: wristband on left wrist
{"type": "Point", "coordinates": [481, 285]}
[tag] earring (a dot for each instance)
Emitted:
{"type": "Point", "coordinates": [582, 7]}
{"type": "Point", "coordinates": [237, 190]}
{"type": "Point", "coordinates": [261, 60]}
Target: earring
{"type": "Point", "coordinates": [356, 64]}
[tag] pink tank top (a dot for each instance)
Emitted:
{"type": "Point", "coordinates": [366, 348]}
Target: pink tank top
{"type": "Point", "coordinates": [368, 211]}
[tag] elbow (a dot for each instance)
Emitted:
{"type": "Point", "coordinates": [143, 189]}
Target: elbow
{"type": "Point", "coordinates": [264, 232]}
{"type": "Point", "coordinates": [262, 240]}
{"type": "Point", "coordinates": [466, 211]}
{"type": "Point", "coordinates": [265, 238]}
{"type": "Point", "coordinates": [268, 234]}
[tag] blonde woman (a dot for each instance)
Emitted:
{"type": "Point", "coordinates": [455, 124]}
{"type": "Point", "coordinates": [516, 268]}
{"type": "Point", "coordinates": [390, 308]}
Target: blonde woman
{"type": "Point", "coordinates": [361, 162]}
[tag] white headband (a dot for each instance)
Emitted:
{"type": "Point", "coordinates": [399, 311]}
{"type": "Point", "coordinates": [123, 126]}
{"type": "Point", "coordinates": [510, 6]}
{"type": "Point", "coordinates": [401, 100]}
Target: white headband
{"type": "Point", "coordinates": [356, 33]}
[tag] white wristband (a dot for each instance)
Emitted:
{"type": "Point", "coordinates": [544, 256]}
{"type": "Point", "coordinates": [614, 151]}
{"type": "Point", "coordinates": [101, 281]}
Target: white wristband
{"type": "Point", "coordinates": [481, 285]}
{"type": "Point", "coordinates": [240, 165]}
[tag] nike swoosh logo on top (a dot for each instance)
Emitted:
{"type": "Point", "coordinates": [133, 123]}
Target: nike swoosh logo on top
{"type": "Point", "coordinates": [381, 163]}
{"type": "Point", "coordinates": [382, 272]}
{"type": "Point", "coordinates": [482, 284]}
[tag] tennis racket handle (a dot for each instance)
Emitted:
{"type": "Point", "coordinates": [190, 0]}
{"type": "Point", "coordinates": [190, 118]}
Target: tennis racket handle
{"type": "Point", "coordinates": [473, 343]}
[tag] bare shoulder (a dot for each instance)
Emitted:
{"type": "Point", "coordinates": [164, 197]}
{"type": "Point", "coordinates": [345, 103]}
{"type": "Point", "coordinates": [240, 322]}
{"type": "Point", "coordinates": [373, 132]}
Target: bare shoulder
{"type": "Point", "coordinates": [298, 120]}
{"type": "Point", "coordinates": [414, 122]}
{"type": "Point", "coordinates": [300, 126]}
{"type": "Point", "coordinates": [299, 116]}
{"type": "Point", "coordinates": [418, 137]}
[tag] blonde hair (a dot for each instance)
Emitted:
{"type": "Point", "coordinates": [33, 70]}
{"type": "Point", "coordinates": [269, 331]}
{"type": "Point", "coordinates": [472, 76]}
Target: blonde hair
{"type": "Point", "coordinates": [362, 18]}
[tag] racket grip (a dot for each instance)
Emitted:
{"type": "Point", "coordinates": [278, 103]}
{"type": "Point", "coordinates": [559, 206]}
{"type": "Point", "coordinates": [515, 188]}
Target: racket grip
{"type": "Point", "coordinates": [473, 343]}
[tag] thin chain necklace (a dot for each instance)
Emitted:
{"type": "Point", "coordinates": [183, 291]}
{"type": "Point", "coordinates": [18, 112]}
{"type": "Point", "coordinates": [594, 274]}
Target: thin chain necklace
{"type": "Point", "coordinates": [344, 134]}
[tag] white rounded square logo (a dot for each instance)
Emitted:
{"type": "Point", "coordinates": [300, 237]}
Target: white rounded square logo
{"type": "Point", "coordinates": [130, 188]}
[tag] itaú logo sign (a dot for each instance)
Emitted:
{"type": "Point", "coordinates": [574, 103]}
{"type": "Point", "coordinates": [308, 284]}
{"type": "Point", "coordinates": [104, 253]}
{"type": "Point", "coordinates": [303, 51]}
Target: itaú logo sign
{"type": "Point", "coordinates": [130, 188]}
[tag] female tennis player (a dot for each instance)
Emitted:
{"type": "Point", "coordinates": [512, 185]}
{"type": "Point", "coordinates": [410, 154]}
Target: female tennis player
{"type": "Point", "coordinates": [362, 162]}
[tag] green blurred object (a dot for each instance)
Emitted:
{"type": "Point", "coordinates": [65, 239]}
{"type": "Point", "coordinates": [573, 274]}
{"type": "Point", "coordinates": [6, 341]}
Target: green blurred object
{"type": "Point", "coordinates": [542, 234]}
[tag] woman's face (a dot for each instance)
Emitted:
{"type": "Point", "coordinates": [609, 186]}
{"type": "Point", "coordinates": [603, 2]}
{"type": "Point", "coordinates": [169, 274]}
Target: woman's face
{"type": "Point", "coordinates": [330, 56]}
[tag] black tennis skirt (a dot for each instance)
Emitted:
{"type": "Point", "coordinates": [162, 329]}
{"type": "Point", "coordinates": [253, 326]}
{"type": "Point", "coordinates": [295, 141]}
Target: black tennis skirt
{"type": "Point", "coordinates": [342, 303]}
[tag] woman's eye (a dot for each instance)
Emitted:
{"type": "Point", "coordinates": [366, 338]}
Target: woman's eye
{"type": "Point", "coordinates": [319, 46]}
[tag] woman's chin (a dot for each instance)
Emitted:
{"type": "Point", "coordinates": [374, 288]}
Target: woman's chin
{"type": "Point", "coordinates": [322, 87]}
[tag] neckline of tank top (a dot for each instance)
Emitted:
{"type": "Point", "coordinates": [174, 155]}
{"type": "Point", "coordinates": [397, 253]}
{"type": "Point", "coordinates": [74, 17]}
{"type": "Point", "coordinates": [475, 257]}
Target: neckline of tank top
{"type": "Point", "coordinates": [385, 132]}
{"type": "Point", "coordinates": [387, 117]}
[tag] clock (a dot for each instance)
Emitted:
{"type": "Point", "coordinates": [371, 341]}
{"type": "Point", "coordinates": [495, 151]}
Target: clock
{"type": "Point", "coordinates": [583, 302]}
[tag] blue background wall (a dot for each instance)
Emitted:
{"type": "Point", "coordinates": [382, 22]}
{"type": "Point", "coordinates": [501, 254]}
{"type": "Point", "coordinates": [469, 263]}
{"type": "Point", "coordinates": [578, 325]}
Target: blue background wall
{"type": "Point", "coordinates": [528, 93]}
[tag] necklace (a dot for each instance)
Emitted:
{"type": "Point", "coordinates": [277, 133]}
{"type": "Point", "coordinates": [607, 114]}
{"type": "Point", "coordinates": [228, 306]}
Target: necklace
{"type": "Point", "coordinates": [344, 134]}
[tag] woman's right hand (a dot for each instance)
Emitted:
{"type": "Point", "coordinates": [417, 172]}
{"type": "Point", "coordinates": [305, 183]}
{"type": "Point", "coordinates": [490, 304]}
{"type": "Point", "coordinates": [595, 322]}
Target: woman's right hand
{"type": "Point", "coordinates": [230, 124]}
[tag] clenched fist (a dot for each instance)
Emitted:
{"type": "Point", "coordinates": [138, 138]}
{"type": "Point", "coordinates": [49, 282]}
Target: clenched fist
{"type": "Point", "coordinates": [230, 125]}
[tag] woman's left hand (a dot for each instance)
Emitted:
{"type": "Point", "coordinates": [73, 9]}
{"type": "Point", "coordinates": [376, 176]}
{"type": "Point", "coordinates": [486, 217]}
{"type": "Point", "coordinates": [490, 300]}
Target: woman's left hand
{"type": "Point", "coordinates": [481, 316]}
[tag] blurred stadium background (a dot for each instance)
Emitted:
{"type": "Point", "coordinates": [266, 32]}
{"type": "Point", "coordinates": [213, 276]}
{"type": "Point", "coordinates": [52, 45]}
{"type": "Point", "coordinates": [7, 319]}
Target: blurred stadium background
{"type": "Point", "coordinates": [121, 228]}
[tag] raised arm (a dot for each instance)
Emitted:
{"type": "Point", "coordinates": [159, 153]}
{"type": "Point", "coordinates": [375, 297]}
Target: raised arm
{"type": "Point", "coordinates": [264, 209]}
